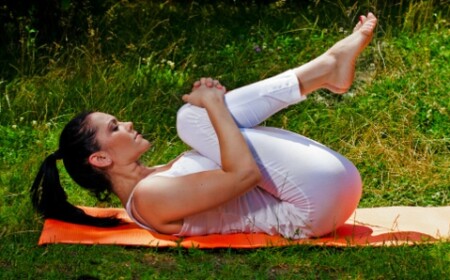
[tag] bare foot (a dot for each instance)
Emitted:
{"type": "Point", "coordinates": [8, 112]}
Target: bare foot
{"type": "Point", "coordinates": [335, 69]}
{"type": "Point", "coordinates": [346, 51]}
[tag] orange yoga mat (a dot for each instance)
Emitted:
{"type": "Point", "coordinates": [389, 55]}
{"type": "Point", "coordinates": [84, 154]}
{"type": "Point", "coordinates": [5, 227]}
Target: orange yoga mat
{"type": "Point", "coordinates": [384, 226]}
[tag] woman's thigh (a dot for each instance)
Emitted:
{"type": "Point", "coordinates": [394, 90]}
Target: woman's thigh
{"type": "Point", "coordinates": [296, 169]}
{"type": "Point", "coordinates": [307, 174]}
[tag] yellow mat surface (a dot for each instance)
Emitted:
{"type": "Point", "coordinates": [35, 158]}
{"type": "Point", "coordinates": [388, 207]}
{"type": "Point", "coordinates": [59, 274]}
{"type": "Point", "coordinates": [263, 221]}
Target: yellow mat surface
{"type": "Point", "coordinates": [384, 226]}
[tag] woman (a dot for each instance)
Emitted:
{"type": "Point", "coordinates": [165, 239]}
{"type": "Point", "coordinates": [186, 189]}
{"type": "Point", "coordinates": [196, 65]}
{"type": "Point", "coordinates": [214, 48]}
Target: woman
{"type": "Point", "coordinates": [239, 177]}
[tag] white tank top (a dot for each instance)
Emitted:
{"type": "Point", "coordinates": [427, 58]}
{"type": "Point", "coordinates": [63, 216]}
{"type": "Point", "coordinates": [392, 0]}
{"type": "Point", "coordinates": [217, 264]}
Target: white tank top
{"type": "Point", "coordinates": [254, 211]}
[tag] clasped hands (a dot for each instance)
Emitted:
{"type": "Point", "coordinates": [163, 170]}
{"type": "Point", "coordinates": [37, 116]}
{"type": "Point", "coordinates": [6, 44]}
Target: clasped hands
{"type": "Point", "coordinates": [205, 90]}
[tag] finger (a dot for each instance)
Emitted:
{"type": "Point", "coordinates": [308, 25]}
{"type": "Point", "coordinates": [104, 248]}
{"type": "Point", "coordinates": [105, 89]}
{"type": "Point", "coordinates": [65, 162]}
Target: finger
{"type": "Point", "coordinates": [196, 84]}
{"type": "Point", "coordinates": [217, 84]}
{"type": "Point", "coordinates": [209, 82]}
{"type": "Point", "coordinates": [202, 80]}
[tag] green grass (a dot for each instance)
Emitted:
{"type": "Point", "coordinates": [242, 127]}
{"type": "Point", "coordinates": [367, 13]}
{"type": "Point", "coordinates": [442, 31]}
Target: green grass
{"type": "Point", "coordinates": [137, 59]}
{"type": "Point", "coordinates": [105, 262]}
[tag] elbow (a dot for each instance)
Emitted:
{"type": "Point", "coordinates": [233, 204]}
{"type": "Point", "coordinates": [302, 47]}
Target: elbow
{"type": "Point", "coordinates": [258, 176]}
{"type": "Point", "coordinates": [253, 175]}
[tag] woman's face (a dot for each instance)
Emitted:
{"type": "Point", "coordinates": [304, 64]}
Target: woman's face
{"type": "Point", "coordinates": [119, 140]}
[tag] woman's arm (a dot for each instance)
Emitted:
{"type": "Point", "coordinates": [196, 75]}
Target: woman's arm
{"type": "Point", "coordinates": [163, 202]}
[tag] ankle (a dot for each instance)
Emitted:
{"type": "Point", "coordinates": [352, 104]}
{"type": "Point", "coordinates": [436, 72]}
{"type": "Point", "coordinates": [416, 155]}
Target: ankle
{"type": "Point", "coordinates": [314, 75]}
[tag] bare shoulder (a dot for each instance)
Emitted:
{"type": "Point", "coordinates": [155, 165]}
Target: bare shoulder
{"type": "Point", "coordinates": [150, 189]}
{"type": "Point", "coordinates": [150, 194]}
{"type": "Point", "coordinates": [164, 202]}
{"type": "Point", "coordinates": [150, 200]}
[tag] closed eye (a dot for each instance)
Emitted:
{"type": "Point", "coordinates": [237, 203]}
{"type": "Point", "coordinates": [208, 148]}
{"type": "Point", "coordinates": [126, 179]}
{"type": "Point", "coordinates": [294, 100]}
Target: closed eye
{"type": "Point", "coordinates": [113, 125]}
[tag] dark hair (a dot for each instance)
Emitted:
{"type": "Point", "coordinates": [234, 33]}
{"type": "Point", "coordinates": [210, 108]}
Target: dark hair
{"type": "Point", "coordinates": [76, 143]}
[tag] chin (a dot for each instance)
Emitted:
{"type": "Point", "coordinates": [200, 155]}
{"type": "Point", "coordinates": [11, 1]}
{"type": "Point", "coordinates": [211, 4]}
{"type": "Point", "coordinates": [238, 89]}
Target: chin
{"type": "Point", "coordinates": [147, 146]}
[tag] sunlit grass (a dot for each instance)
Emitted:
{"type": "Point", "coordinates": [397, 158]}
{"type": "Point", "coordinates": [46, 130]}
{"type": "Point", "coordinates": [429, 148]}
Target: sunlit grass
{"type": "Point", "coordinates": [137, 60]}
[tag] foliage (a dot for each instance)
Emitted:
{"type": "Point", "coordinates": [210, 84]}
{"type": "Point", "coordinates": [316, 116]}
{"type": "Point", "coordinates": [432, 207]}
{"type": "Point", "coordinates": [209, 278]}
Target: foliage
{"type": "Point", "coordinates": [135, 59]}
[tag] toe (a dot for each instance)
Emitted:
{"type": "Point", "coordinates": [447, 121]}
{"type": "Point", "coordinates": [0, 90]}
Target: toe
{"type": "Point", "coordinates": [357, 26]}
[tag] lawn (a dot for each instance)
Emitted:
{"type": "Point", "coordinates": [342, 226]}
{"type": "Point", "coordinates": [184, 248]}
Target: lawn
{"type": "Point", "coordinates": [135, 59]}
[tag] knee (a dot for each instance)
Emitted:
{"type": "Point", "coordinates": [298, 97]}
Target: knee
{"type": "Point", "coordinates": [185, 121]}
{"type": "Point", "coordinates": [193, 124]}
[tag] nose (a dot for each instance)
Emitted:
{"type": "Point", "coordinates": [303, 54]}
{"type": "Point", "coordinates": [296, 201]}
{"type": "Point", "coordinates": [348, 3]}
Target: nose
{"type": "Point", "coordinates": [129, 125]}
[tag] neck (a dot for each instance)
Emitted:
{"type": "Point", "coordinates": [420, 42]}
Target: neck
{"type": "Point", "coordinates": [125, 178]}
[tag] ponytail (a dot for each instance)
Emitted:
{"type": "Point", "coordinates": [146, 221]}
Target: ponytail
{"type": "Point", "coordinates": [50, 200]}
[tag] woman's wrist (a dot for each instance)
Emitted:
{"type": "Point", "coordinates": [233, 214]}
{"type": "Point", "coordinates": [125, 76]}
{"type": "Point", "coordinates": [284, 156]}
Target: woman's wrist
{"type": "Point", "coordinates": [213, 100]}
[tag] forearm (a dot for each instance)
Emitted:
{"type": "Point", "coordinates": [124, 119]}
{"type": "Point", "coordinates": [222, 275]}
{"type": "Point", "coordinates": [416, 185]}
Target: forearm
{"type": "Point", "coordinates": [235, 156]}
{"type": "Point", "coordinates": [234, 151]}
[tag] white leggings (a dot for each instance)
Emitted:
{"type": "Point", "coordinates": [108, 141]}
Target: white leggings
{"type": "Point", "coordinates": [296, 169]}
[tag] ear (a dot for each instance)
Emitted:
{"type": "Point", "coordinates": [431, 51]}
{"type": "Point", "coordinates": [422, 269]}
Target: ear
{"type": "Point", "coordinates": [100, 159]}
